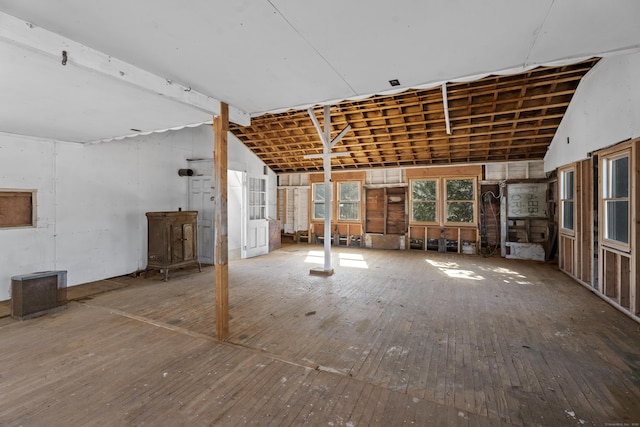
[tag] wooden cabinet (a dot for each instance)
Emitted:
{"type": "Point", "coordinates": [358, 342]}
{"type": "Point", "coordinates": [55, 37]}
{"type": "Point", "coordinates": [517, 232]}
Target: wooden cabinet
{"type": "Point", "coordinates": [172, 240]}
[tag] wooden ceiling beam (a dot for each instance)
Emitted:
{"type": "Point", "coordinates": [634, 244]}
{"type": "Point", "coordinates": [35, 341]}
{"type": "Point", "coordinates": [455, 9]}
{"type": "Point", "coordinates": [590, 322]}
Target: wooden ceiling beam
{"type": "Point", "coordinates": [495, 118]}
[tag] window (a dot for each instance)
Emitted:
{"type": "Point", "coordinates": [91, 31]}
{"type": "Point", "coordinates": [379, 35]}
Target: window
{"type": "Point", "coordinates": [566, 199]}
{"type": "Point", "coordinates": [616, 197]}
{"type": "Point", "coordinates": [318, 201]}
{"type": "Point", "coordinates": [443, 200]}
{"type": "Point", "coordinates": [17, 208]}
{"type": "Point", "coordinates": [257, 198]}
{"type": "Point", "coordinates": [460, 196]}
{"type": "Point", "coordinates": [424, 201]}
{"type": "Point", "coordinates": [348, 200]}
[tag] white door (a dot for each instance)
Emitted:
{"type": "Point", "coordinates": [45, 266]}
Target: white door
{"type": "Point", "coordinates": [257, 235]}
{"type": "Point", "coordinates": [301, 206]}
{"type": "Point", "coordinates": [201, 200]}
{"type": "Point", "coordinates": [236, 213]}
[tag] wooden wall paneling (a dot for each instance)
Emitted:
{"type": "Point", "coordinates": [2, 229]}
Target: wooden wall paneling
{"type": "Point", "coordinates": [374, 211]}
{"type": "Point", "coordinates": [635, 228]}
{"type": "Point", "coordinates": [618, 268]}
{"type": "Point", "coordinates": [395, 210]}
{"type": "Point", "coordinates": [610, 274]}
{"type": "Point", "coordinates": [339, 176]}
{"type": "Point", "coordinates": [566, 261]}
{"type": "Point", "coordinates": [625, 281]}
{"type": "Point", "coordinates": [445, 171]}
{"type": "Point", "coordinates": [584, 196]}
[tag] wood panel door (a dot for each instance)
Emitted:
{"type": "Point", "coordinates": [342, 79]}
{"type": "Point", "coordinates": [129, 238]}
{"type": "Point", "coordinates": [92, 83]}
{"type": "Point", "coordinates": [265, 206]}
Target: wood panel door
{"type": "Point", "coordinates": [385, 210]}
{"type": "Point", "coordinates": [201, 200]}
{"type": "Point", "coordinates": [395, 208]}
{"type": "Point", "coordinates": [375, 211]}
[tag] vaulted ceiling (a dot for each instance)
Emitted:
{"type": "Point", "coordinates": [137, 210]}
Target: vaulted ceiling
{"type": "Point", "coordinates": [496, 118]}
{"type": "Point", "coordinates": [82, 71]}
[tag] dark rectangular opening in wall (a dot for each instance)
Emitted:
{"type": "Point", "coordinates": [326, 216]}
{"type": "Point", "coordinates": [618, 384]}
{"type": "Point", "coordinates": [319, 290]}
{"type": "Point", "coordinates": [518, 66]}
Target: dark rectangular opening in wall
{"type": "Point", "coordinates": [17, 208]}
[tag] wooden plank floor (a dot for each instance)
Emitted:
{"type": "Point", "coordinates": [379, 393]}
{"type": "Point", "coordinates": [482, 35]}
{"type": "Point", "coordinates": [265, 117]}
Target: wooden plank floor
{"type": "Point", "coordinates": [393, 338]}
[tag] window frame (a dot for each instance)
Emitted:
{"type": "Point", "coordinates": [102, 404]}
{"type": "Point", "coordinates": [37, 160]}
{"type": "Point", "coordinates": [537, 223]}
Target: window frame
{"type": "Point", "coordinates": [606, 161]}
{"type": "Point", "coordinates": [442, 201]}
{"type": "Point", "coordinates": [31, 194]}
{"type": "Point", "coordinates": [446, 201]}
{"type": "Point", "coordinates": [339, 201]}
{"type": "Point", "coordinates": [412, 220]}
{"type": "Point", "coordinates": [563, 199]}
{"type": "Point", "coordinates": [314, 201]}
{"type": "Point", "coordinates": [257, 199]}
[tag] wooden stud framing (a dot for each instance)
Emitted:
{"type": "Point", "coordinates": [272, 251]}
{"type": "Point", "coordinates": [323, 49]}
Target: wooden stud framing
{"type": "Point", "coordinates": [619, 266]}
{"type": "Point", "coordinates": [497, 118]}
{"type": "Point", "coordinates": [220, 129]}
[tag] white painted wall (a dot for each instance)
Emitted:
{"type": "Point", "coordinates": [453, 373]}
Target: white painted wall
{"type": "Point", "coordinates": [92, 199]}
{"type": "Point", "coordinates": [604, 111]}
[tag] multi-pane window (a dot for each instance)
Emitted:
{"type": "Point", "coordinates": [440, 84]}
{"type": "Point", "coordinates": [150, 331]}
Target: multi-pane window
{"type": "Point", "coordinates": [460, 200]}
{"type": "Point", "coordinates": [616, 198]}
{"type": "Point", "coordinates": [349, 200]}
{"type": "Point", "coordinates": [424, 200]}
{"type": "Point", "coordinates": [257, 198]}
{"type": "Point", "coordinates": [567, 199]}
{"type": "Point", "coordinates": [318, 201]}
{"type": "Point", "coordinates": [443, 200]}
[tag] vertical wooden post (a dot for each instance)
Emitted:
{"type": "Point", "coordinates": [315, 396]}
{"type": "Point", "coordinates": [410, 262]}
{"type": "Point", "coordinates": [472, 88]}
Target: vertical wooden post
{"type": "Point", "coordinates": [221, 256]}
{"type": "Point", "coordinates": [328, 193]}
{"type": "Point", "coordinates": [327, 144]}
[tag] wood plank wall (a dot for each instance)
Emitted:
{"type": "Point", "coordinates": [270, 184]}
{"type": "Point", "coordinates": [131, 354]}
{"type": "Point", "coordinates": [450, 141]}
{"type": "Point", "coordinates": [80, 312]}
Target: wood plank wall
{"type": "Point", "coordinates": [619, 269]}
{"type": "Point", "coordinates": [576, 249]}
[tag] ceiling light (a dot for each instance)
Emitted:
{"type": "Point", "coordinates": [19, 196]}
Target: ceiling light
{"type": "Point", "coordinates": [135, 130]}
{"type": "Point", "coordinates": [394, 82]}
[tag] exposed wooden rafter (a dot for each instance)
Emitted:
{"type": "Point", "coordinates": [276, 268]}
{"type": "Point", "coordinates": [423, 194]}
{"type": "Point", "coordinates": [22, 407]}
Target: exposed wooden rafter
{"type": "Point", "coordinates": [498, 118]}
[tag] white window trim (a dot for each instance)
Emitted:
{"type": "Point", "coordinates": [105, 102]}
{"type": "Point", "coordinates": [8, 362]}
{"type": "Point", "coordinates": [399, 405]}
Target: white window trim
{"type": "Point", "coordinates": [605, 161]}
{"type": "Point", "coordinates": [561, 200]}
{"type": "Point", "coordinates": [313, 201]}
{"type": "Point", "coordinates": [339, 200]}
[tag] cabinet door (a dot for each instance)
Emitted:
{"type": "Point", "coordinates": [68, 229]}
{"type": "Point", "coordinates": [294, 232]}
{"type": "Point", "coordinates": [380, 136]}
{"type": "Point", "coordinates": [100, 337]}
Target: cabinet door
{"type": "Point", "coordinates": [177, 246]}
{"type": "Point", "coordinates": [157, 244]}
{"type": "Point", "coordinates": [189, 242]}
{"type": "Point", "coordinates": [183, 241]}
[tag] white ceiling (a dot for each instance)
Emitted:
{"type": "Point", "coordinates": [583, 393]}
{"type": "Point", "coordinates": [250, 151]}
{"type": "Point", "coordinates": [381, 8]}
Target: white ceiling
{"type": "Point", "coordinates": [268, 55]}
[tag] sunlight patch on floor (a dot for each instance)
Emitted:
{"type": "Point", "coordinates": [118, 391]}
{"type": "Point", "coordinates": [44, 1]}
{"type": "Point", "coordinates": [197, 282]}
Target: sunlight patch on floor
{"type": "Point", "coordinates": [452, 269]}
{"type": "Point", "coordinates": [315, 257]}
{"type": "Point", "coordinates": [345, 259]}
{"type": "Point", "coordinates": [353, 260]}
{"type": "Point", "coordinates": [510, 276]}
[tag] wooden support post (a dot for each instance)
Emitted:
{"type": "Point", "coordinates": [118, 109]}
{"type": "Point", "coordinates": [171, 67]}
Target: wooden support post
{"type": "Point", "coordinates": [328, 193]}
{"type": "Point", "coordinates": [221, 256]}
{"type": "Point", "coordinates": [327, 145]}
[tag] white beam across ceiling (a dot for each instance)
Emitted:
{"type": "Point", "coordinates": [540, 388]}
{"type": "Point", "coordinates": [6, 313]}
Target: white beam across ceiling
{"type": "Point", "coordinates": [38, 39]}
